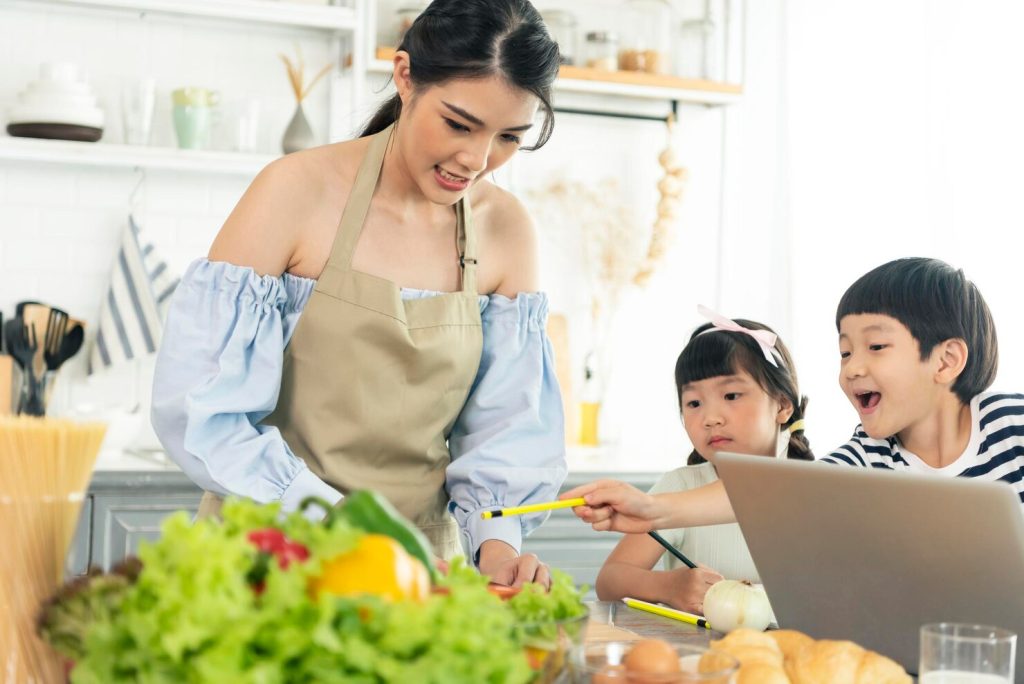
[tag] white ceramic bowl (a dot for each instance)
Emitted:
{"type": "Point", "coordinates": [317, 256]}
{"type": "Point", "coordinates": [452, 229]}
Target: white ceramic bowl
{"type": "Point", "coordinates": [78, 116]}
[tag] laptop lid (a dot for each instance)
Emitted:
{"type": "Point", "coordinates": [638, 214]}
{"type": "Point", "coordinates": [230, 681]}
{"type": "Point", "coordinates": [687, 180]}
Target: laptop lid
{"type": "Point", "coordinates": [870, 556]}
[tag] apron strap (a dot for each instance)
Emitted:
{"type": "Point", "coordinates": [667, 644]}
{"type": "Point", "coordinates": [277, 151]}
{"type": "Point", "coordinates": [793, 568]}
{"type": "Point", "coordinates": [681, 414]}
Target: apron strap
{"type": "Point", "coordinates": [358, 204]}
{"type": "Point", "coordinates": [467, 245]}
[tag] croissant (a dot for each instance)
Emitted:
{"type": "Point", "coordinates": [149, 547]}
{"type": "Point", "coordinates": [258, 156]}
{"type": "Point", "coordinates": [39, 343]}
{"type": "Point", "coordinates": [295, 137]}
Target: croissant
{"type": "Point", "coordinates": [790, 641]}
{"type": "Point", "coordinates": [843, 662]}
{"type": "Point", "coordinates": [790, 657]}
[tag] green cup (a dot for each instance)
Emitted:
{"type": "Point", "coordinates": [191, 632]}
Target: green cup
{"type": "Point", "coordinates": [193, 114]}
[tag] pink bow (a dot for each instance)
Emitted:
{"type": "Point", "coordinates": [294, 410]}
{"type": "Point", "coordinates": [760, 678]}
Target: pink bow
{"type": "Point", "coordinates": [764, 338]}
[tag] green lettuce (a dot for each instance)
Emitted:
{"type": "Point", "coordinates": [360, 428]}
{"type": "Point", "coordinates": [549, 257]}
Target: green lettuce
{"type": "Point", "coordinates": [191, 616]}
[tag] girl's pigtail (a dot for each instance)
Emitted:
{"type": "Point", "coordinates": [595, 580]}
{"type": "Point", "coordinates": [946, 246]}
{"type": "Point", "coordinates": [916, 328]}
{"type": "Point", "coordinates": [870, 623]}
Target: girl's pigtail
{"type": "Point", "coordinates": [799, 446]}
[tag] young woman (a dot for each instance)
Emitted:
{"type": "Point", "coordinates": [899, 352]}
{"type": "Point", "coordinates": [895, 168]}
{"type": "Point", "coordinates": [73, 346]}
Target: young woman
{"type": "Point", "coordinates": [367, 316]}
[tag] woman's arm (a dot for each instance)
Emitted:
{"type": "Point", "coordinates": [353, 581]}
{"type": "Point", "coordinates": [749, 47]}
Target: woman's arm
{"type": "Point", "coordinates": [628, 571]}
{"type": "Point", "coordinates": [620, 507]}
{"type": "Point", "coordinates": [508, 445]}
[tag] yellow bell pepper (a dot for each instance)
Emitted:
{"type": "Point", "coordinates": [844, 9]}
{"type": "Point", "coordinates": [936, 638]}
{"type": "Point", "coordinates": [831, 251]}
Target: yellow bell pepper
{"type": "Point", "coordinates": [379, 566]}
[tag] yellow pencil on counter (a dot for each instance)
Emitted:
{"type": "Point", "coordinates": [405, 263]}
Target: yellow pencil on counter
{"type": "Point", "coordinates": [665, 611]}
{"type": "Point", "coordinates": [533, 508]}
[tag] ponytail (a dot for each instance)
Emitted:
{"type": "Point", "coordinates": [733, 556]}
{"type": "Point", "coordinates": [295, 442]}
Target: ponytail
{"type": "Point", "coordinates": [385, 115]}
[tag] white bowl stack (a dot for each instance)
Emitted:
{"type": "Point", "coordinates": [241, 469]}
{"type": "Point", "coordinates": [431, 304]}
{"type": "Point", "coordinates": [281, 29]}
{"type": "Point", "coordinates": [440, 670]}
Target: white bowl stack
{"type": "Point", "coordinates": [60, 105]}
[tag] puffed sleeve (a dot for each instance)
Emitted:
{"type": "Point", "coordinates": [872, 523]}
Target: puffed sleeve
{"type": "Point", "coordinates": [218, 374]}
{"type": "Point", "coordinates": [508, 443]}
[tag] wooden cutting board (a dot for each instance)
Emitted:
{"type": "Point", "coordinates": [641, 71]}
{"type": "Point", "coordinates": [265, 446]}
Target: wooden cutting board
{"type": "Point", "coordinates": [558, 333]}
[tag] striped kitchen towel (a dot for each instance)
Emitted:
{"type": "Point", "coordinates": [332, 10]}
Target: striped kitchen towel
{"type": "Point", "coordinates": [136, 302]}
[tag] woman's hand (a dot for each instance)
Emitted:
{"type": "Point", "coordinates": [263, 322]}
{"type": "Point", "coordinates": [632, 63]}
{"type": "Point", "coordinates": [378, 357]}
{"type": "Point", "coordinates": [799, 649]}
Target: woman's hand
{"type": "Point", "coordinates": [617, 506]}
{"type": "Point", "coordinates": [503, 565]}
{"type": "Point", "coordinates": [688, 587]}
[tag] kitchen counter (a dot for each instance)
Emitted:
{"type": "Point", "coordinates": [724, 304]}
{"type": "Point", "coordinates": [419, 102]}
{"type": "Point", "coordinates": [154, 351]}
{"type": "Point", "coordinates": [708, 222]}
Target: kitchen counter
{"type": "Point", "coordinates": [132, 493]}
{"type": "Point", "coordinates": [615, 614]}
{"type": "Point", "coordinates": [583, 462]}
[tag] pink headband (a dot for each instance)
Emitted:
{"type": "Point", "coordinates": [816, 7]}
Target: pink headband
{"type": "Point", "coordinates": [764, 338]}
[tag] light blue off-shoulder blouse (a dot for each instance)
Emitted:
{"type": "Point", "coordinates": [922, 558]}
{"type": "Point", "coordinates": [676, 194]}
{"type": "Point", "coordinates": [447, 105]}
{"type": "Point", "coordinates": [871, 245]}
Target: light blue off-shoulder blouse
{"type": "Point", "coordinates": [218, 375]}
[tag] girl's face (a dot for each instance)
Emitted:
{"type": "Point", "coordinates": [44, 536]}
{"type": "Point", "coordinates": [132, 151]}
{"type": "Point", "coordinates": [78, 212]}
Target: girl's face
{"type": "Point", "coordinates": [732, 413]}
{"type": "Point", "coordinates": [453, 134]}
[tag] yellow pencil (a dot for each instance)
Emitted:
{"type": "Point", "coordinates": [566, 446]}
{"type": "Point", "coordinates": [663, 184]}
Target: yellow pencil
{"type": "Point", "coordinates": [533, 508]}
{"type": "Point", "coordinates": [665, 611]}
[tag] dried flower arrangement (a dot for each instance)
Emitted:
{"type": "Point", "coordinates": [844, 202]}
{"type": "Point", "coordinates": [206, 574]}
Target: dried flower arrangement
{"type": "Point", "coordinates": [296, 75]}
{"type": "Point", "coordinates": [617, 252]}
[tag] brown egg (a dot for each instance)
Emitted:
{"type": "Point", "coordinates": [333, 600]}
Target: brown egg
{"type": "Point", "coordinates": [651, 657]}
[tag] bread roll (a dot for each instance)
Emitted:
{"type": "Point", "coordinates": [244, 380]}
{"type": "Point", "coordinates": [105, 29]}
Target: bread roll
{"type": "Point", "coordinates": [761, 673]}
{"type": "Point", "coordinates": [749, 647]}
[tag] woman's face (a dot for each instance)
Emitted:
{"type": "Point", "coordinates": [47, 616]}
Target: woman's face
{"type": "Point", "coordinates": [451, 135]}
{"type": "Point", "coordinates": [732, 413]}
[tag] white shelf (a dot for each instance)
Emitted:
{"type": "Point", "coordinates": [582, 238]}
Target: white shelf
{"type": "Point", "coordinates": [130, 157]}
{"type": "Point", "coordinates": [713, 94]}
{"type": "Point", "coordinates": [642, 92]}
{"type": "Point", "coordinates": [275, 12]}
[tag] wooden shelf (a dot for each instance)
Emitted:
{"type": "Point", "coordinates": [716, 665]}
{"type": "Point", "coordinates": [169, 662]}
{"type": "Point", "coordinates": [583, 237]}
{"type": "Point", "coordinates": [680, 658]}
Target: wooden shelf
{"type": "Point", "coordinates": [622, 84]}
{"type": "Point", "coordinates": [274, 12]}
{"type": "Point", "coordinates": [130, 157]}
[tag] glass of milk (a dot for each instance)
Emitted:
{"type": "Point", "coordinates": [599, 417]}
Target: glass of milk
{"type": "Point", "coordinates": [953, 653]}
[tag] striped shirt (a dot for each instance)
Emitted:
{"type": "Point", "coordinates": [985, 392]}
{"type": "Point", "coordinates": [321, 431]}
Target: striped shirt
{"type": "Point", "coordinates": [994, 452]}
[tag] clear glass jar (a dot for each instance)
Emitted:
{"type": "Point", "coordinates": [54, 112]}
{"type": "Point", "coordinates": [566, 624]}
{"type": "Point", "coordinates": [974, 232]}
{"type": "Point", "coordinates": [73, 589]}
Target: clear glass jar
{"type": "Point", "coordinates": [601, 51]}
{"type": "Point", "coordinates": [700, 49]}
{"type": "Point", "coordinates": [647, 45]}
{"type": "Point", "coordinates": [562, 26]}
{"type": "Point", "coordinates": [405, 15]}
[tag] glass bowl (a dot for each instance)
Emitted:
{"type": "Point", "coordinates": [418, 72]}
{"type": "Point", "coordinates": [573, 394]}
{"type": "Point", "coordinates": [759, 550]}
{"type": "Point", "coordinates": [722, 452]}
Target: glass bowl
{"type": "Point", "coordinates": [602, 663]}
{"type": "Point", "coordinates": [548, 646]}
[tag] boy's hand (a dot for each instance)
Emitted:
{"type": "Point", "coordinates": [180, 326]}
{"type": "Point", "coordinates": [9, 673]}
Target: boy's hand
{"type": "Point", "coordinates": [689, 587]}
{"type": "Point", "coordinates": [616, 506]}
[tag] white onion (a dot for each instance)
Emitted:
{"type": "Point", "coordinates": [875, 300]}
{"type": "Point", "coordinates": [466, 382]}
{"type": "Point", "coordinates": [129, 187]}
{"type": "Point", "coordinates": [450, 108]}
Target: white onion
{"type": "Point", "coordinates": [731, 604]}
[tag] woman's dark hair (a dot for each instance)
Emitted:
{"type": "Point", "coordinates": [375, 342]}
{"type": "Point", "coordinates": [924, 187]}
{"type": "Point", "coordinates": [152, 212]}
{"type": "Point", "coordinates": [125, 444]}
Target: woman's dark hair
{"type": "Point", "coordinates": [723, 352]}
{"type": "Point", "coordinates": [475, 39]}
{"type": "Point", "coordinates": [937, 303]}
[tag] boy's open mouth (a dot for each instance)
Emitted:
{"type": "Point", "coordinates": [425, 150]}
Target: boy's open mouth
{"type": "Point", "coordinates": [868, 400]}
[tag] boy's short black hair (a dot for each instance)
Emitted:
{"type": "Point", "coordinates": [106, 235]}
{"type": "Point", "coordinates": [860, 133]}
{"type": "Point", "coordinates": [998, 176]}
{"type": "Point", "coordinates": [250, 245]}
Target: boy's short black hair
{"type": "Point", "coordinates": [936, 302]}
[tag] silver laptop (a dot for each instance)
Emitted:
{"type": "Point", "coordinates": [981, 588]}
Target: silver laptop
{"type": "Point", "coordinates": [870, 556]}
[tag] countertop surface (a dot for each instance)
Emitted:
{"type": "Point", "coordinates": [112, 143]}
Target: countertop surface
{"type": "Point", "coordinates": [583, 462]}
{"type": "Point", "coordinates": [615, 621]}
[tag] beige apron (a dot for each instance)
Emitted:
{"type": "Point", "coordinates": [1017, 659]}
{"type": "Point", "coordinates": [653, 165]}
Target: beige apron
{"type": "Point", "coordinates": [372, 384]}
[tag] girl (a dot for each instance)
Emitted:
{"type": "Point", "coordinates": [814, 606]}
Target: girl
{"type": "Point", "coordinates": [366, 317]}
{"type": "Point", "coordinates": [738, 392]}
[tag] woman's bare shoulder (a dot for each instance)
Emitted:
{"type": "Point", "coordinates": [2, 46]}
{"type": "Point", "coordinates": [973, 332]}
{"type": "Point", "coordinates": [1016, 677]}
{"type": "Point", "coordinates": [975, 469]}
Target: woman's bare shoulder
{"type": "Point", "coordinates": [508, 239]}
{"type": "Point", "coordinates": [286, 202]}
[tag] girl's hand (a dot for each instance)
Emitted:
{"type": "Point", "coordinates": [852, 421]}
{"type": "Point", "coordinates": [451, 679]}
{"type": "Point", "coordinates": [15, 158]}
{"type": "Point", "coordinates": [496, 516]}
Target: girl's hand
{"type": "Point", "coordinates": [617, 506]}
{"type": "Point", "coordinates": [689, 586]}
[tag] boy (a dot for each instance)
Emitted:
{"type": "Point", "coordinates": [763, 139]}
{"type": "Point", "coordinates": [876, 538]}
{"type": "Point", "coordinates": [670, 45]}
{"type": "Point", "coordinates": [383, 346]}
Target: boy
{"type": "Point", "coordinates": [918, 350]}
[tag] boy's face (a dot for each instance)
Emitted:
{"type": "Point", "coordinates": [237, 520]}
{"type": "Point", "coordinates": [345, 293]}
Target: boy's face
{"type": "Point", "coordinates": [882, 374]}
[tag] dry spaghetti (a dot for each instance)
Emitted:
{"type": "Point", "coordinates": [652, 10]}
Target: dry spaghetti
{"type": "Point", "coordinates": [45, 466]}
